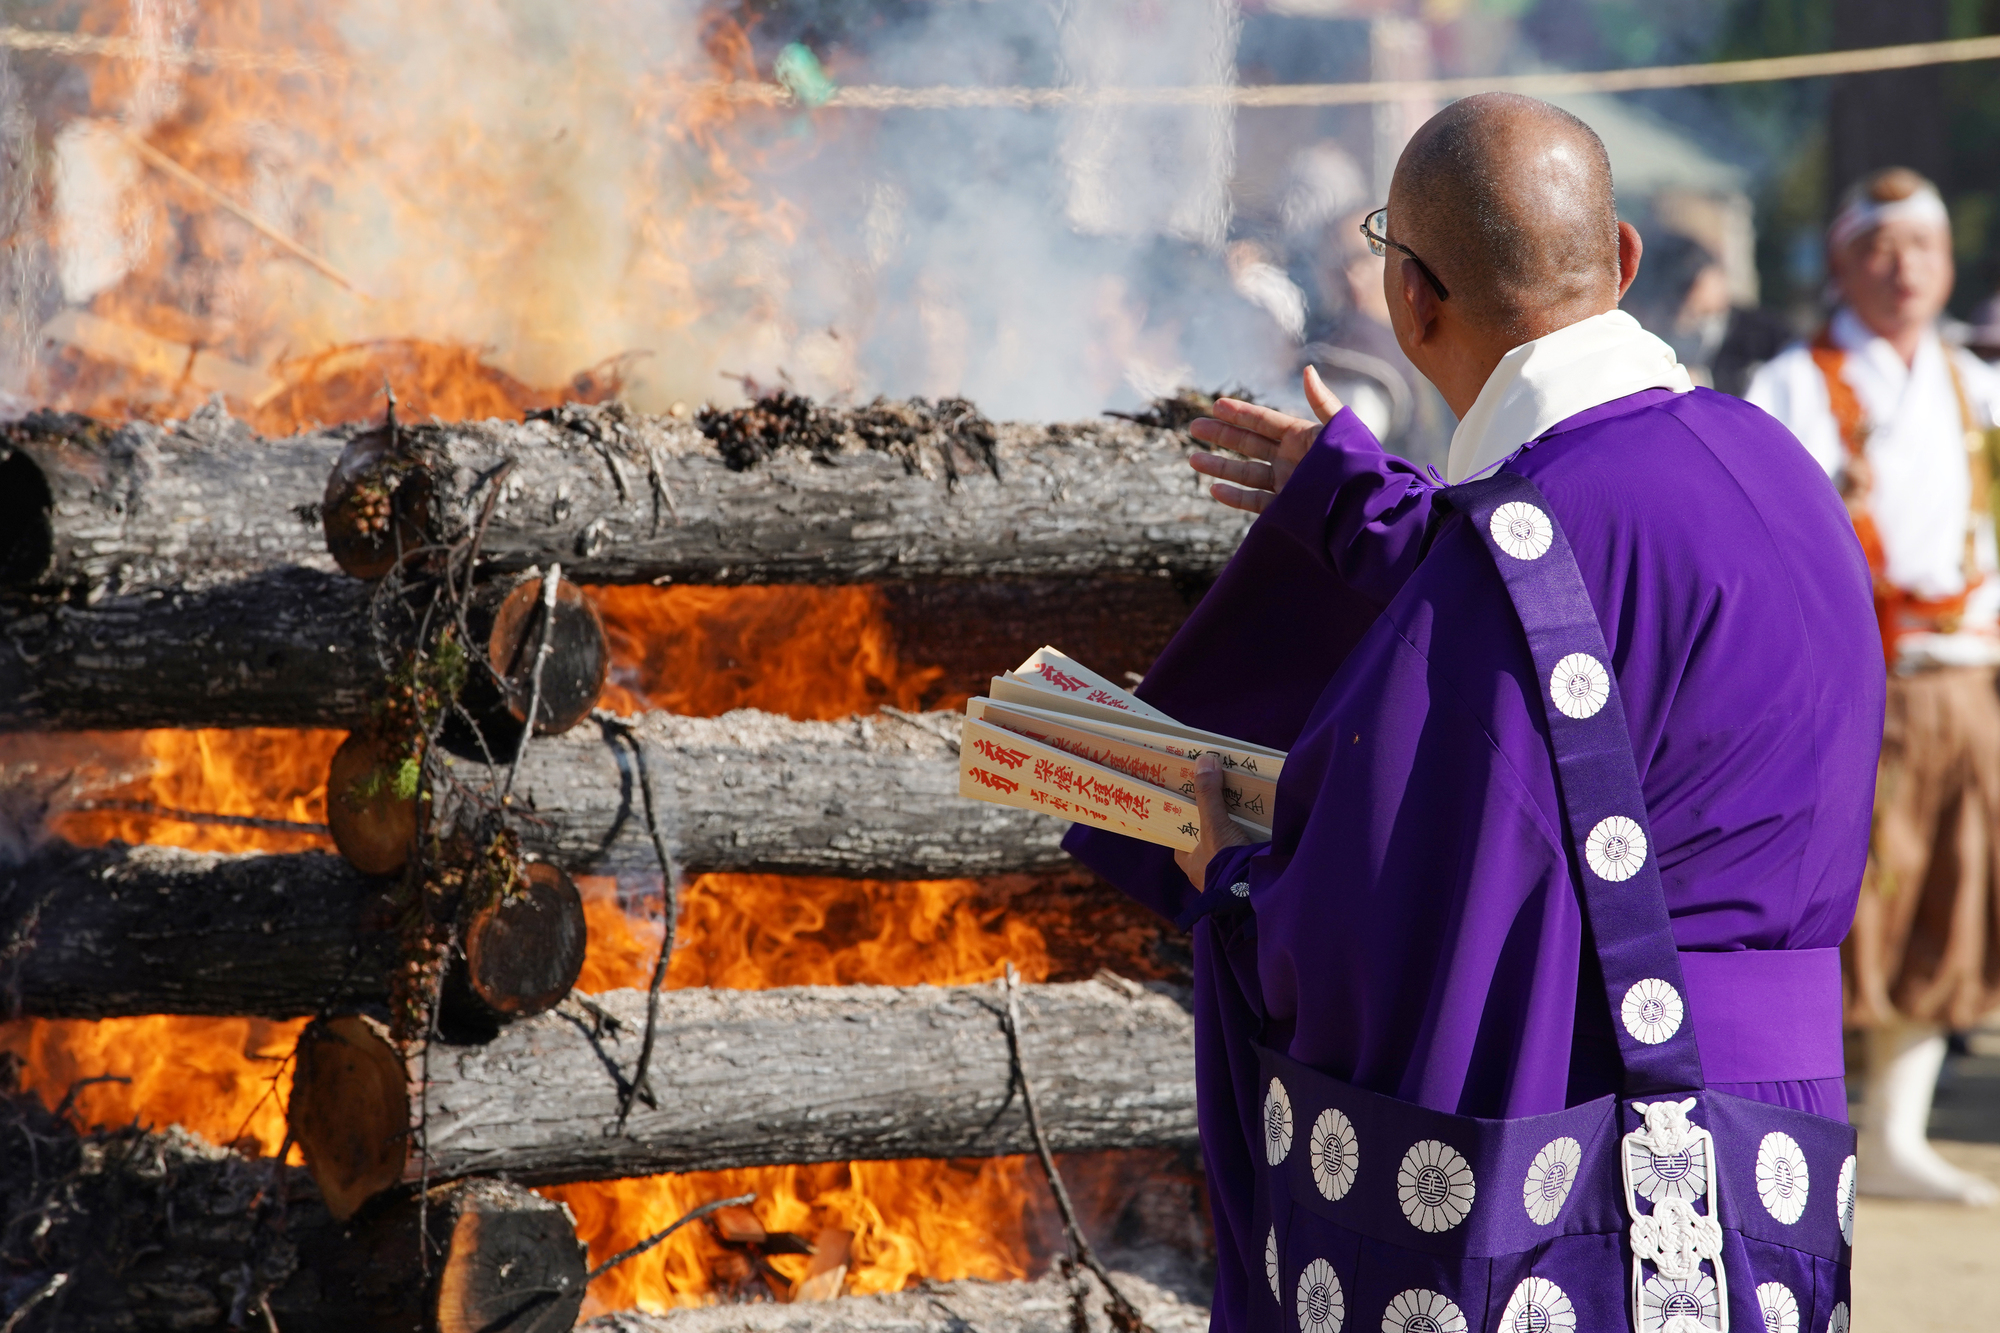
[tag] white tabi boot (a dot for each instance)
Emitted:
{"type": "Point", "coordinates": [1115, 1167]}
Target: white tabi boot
{"type": "Point", "coordinates": [1896, 1157]}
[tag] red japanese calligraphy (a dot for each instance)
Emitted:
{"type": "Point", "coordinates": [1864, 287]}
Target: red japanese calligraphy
{"type": "Point", "coordinates": [994, 780]}
{"type": "Point", "coordinates": [1109, 700]}
{"type": "Point", "coordinates": [1060, 679]}
{"type": "Point", "coordinates": [1000, 754]}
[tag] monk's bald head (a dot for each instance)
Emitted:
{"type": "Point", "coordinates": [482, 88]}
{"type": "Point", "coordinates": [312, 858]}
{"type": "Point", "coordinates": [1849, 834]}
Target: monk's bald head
{"type": "Point", "coordinates": [1509, 201]}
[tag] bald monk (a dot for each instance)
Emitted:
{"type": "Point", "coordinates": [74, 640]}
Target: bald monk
{"type": "Point", "coordinates": [1413, 924]}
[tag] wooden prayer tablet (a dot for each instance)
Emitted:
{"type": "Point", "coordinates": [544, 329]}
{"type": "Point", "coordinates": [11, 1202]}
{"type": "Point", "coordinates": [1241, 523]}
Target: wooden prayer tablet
{"type": "Point", "coordinates": [1048, 680]}
{"type": "Point", "coordinates": [1164, 761]}
{"type": "Point", "coordinates": [1006, 768]}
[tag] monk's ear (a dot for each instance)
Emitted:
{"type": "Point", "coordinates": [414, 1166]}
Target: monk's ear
{"type": "Point", "coordinates": [1418, 303]}
{"type": "Point", "coordinates": [1630, 247]}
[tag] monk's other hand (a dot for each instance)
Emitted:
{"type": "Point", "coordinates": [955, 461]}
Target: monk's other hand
{"type": "Point", "coordinates": [1272, 444]}
{"type": "Point", "coordinates": [1218, 830]}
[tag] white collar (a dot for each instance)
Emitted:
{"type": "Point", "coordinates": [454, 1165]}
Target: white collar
{"type": "Point", "coordinates": [1551, 379]}
{"type": "Point", "coordinates": [1856, 338]}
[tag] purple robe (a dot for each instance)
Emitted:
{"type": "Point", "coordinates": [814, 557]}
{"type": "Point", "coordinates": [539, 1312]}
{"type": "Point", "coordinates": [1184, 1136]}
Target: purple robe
{"type": "Point", "coordinates": [1416, 928]}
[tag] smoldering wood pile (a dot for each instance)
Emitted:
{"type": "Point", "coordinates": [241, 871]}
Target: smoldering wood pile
{"type": "Point", "coordinates": [196, 575]}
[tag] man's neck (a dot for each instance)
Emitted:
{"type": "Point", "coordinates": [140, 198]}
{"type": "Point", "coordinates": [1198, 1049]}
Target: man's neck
{"type": "Point", "coordinates": [1906, 338]}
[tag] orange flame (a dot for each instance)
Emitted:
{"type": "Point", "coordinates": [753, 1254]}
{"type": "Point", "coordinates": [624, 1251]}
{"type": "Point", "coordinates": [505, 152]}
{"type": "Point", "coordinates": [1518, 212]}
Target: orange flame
{"type": "Point", "coordinates": [807, 652]}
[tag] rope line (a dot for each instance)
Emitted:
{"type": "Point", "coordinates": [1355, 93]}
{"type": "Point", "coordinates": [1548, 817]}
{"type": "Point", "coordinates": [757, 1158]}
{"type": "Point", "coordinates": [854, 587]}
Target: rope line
{"type": "Point", "coordinates": [880, 97]}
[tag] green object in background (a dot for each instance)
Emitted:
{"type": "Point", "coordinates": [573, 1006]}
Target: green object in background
{"type": "Point", "coordinates": [799, 70]}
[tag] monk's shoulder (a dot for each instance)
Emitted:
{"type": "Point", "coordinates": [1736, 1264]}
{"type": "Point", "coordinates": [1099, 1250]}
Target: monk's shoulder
{"type": "Point", "coordinates": [1691, 460]}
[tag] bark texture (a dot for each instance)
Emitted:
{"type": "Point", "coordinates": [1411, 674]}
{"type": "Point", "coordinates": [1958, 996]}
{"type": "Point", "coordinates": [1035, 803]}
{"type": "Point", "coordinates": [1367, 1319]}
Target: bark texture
{"type": "Point", "coordinates": [294, 647]}
{"type": "Point", "coordinates": [869, 797]}
{"type": "Point", "coordinates": [160, 1230]}
{"type": "Point", "coordinates": [619, 498]}
{"type": "Point", "coordinates": [752, 1078]}
{"type": "Point", "coordinates": [158, 930]}
{"type": "Point", "coordinates": [89, 509]}
{"type": "Point", "coordinates": [96, 510]}
{"type": "Point", "coordinates": [282, 647]}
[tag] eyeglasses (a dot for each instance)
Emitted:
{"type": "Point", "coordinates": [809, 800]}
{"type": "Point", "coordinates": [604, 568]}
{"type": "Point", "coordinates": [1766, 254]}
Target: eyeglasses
{"type": "Point", "coordinates": [1374, 225]}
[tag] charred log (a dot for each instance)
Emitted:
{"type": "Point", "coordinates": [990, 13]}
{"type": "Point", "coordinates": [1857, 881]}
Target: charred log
{"type": "Point", "coordinates": [88, 509]}
{"type": "Point", "coordinates": [749, 1078]}
{"type": "Point", "coordinates": [92, 511]}
{"type": "Point", "coordinates": [134, 1231]}
{"type": "Point", "coordinates": [122, 930]}
{"type": "Point", "coordinates": [284, 647]}
{"type": "Point", "coordinates": [298, 647]}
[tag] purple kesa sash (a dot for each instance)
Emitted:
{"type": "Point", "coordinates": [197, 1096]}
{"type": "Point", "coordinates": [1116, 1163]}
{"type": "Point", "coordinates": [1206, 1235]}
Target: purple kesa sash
{"type": "Point", "coordinates": [1668, 1209]}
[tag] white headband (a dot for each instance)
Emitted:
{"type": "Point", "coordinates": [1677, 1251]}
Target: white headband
{"type": "Point", "coordinates": [1864, 215]}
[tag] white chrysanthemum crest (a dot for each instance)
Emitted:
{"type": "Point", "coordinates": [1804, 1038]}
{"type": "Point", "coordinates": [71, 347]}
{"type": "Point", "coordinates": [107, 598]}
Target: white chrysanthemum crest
{"type": "Point", "coordinates": [1779, 1307]}
{"type": "Point", "coordinates": [1277, 1123]}
{"type": "Point", "coordinates": [1435, 1186]}
{"type": "Point", "coordinates": [1670, 1158]}
{"type": "Point", "coordinates": [1843, 1199]}
{"type": "Point", "coordinates": [1521, 530]}
{"type": "Point", "coordinates": [1652, 1011]}
{"type": "Point", "coordinates": [1271, 1264]}
{"type": "Point", "coordinates": [1579, 686]}
{"type": "Point", "coordinates": [1322, 1304]}
{"type": "Point", "coordinates": [1539, 1306]}
{"type": "Point", "coordinates": [1615, 850]}
{"type": "Point", "coordinates": [1420, 1311]}
{"type": "Point", "coordinates": [1549, 1179]}
{"type": "Point", "coordinates": [1669, 1303]}
{"type": "Point", "coordinates": [1783, 1181]}
{"type": "Point", "coordinates": [1336, 1153]}
{"type": "Point", "coordinates": [1838, 1323]}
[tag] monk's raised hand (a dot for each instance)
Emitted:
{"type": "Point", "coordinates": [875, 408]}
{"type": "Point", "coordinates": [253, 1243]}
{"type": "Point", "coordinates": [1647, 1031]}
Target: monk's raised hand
{"type": "Point", "coordinates": [1272, 444]}
{"type": "Point", "coordinates": [1218, 830]}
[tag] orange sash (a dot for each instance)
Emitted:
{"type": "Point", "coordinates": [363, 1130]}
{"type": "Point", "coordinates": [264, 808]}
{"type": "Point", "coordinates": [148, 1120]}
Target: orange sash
{"type": "Point", "coordinates": [1897, 611]}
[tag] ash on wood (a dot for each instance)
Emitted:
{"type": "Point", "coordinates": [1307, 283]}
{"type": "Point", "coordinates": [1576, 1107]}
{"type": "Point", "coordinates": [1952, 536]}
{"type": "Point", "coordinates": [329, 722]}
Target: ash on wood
{"type": "Point", "coordinates": [753, 1078]}
{"type": "Point", "coordinates": [157, 1231]}
{"type": "Point", "coordinates": [1050, 1304]}
{"type": "Point", "coordinates": [93, 510]}
{"type": "Point", "coordinates": [103, 932]}
{"type": "Point", "coordinates": [872, 797]}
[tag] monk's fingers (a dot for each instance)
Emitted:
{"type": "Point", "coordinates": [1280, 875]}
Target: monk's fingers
{"type": "Point", "coordinates": [1222, 435]}
{"type": "Point", "coordinates": [1268, 422]}
{"type": "Point", "coordinates": [1242, 471]}
{"type": "Point", "coordinates": [1250, 502]}
{"type": "Point", "coordinates": [1325, 403]}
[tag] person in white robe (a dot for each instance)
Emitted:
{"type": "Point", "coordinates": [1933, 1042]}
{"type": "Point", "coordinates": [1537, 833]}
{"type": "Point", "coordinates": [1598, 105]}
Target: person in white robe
{"type": "Point", "coordinates": [1901, 422]}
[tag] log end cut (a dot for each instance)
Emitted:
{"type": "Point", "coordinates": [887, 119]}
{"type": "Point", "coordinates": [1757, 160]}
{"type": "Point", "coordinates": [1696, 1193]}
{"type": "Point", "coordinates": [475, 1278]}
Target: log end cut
{"type": "Point", "coordinates": [350, 1110]}
{"type": "Point", "coordinates": [524, 953]}
{"type": "Point", "coordinates": [376, 507]}
{"type": "Point", "coordinates": [579, 655]}
{"type": "Point", "coordinates": [372, 824]}
{"type": "Point", "coordinates": [513, 1261]}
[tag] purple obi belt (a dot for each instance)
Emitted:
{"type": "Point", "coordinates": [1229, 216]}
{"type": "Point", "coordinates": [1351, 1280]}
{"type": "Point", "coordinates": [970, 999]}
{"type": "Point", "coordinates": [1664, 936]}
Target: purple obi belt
{"type": "Point", "coordinates": [1669, 1208]}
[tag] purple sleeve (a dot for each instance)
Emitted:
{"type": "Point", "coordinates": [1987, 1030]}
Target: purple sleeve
{"type": "Point", "coordinates": [1360, 510]}
{"type": "Point", "coordinates": [1312, 575]}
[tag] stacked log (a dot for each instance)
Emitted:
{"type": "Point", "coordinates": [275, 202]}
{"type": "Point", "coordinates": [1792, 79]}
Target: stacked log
{"type": "Point", "coordinates": [148, 578]}
{"type": "Point", "coordinates": [751, 1078]}
{"type": "Point", "coordinates": [614, 498]}
{"type": "Point", "coordinates": [133, 1231]}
